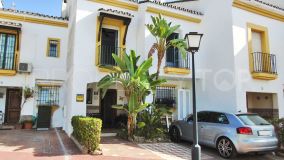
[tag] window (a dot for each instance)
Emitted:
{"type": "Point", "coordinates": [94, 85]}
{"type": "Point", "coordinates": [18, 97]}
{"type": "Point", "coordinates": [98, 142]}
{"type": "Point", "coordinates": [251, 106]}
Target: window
{"type": "Point", "coordinates": [53, 47]}
{"type": "Point", "coordinates": [252, 119]}
{"type": "Point", "coordinates": [109, 46]}
{"type": "Point", "coordinates": [172, 53]}
{"type": "Point", "coordinates": [262, 63]}
{"type": "Point", "coordinates": [48, 95]}
{"type": "Point", "coordinates": [203, 116]}
{"type": "Point", "coordinates": [166, 95]}
{"type": "Point", "coordinates": [89, 96]}
{"type": "Point", "coordinates": [7, 51]}
{"type": "Point", "coordinates": [218, 118]}
{"type": "Point", "coordinates": [173, 57]}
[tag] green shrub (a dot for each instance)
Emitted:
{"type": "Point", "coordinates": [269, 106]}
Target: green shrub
{"type": "Point", "coordinates": [87, 131]}
{"type": "Point", "coordinates": [150, 125]}
{"type": "Point", "coordinates": [279, 128]}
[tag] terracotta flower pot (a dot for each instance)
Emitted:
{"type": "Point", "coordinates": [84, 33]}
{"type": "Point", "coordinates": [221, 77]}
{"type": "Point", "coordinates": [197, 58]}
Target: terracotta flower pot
{"type": "Point", "coordinates": [28, 125]}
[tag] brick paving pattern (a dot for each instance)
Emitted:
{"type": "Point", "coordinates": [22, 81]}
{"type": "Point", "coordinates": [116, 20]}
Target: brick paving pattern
{"type": "Point", "coordinates": [172, 151]}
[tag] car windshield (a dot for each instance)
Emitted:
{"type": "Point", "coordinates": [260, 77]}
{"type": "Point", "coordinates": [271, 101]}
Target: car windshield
{"type": "Point", "coordinates": [252, 119]}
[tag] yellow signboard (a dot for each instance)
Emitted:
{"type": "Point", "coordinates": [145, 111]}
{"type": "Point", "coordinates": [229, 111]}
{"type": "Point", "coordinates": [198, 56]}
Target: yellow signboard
{"type": "Point", "coordinates": [80, 98]}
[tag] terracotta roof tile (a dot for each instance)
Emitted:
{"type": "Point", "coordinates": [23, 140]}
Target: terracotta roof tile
{"type": "Point", "coordinates": [116, 12]}
{"type": "Point", "coordinates": [33, 14]}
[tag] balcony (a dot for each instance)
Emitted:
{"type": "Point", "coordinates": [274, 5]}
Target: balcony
{"type": "Point", "coordinates": [175, 63]}
{"type": "Point", "coordinates": [264, 66]}
{"type": "Point", "coordinates": [8, 64]}
{"type": "Point", "coordinates": [105, 52]}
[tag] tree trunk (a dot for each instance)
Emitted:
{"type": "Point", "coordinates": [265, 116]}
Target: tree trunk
{"type": "Point", "coordinates": [131, 124]}
{"type": "Point", "coordinates": [152, 50]}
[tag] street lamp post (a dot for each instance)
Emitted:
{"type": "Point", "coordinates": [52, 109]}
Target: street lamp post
{"type": "Point", "coordinates": [193, 42]}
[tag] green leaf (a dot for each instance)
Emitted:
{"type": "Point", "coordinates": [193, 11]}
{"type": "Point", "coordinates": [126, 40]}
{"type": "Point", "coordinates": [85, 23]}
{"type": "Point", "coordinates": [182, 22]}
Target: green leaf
{"type": "Point", "coordinates": [144, 67]}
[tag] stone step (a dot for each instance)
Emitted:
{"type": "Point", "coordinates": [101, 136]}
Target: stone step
{"type": "Point", "coordinates": [108, 134]}
{"type": "Point", "coordinates": [6, 127]}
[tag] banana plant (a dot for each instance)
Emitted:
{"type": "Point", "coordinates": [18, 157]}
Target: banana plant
{"type": "Point", "coordinates": [136, 82]}
{"type": "Point", "coordinates": [161, 30]}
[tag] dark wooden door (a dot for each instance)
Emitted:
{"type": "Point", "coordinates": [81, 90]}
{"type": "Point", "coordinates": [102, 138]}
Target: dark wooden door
{"type": "Point", "coordinates": [13, 105]}
{"type": "Point", "coordinates": [44, 117]}
{"type": "Point", "coordinates": [108, 113]}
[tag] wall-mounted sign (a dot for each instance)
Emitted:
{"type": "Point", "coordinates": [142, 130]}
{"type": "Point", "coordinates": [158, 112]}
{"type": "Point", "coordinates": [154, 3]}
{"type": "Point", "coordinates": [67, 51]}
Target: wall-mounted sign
{"type": "Point", "coordinates": [80, 98]}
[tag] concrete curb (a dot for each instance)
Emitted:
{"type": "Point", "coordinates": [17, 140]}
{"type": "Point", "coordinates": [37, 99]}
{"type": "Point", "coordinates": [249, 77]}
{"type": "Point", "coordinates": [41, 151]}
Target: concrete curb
{"type": "Point", "coordinates": [79, 146]}
{"type": "Point", "coordinates": [83, 149]}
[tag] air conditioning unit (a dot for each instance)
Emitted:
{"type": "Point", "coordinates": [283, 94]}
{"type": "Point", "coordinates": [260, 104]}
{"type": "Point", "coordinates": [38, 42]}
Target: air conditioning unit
{"type": "Point", "coordinates": [25, 68]}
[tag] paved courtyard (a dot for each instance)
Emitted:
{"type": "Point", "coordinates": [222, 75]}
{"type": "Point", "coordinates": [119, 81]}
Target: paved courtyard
{"type": "Point", "coordinates": [56, 145]}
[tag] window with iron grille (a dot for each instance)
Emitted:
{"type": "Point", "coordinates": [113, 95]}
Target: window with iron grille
{"type": "Point", "coordinates": [53, 47]}
{"type": "Point", "coordinates": [7, 51]}
{"type": "Point", "coordinates": [48, 95]}
{"type": "Point", "coordinates": [166, 95]}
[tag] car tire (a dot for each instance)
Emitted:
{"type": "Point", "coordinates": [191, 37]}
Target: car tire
{"type": "Point", "coordinates": [226, 148]}
{"type": "Point", "coordinates": [175, 134]}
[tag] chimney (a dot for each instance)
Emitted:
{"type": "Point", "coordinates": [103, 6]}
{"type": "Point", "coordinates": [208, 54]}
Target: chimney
{"type": "Point", "coordinates": [64, 9]}
{"type": "Point", "coordinates": [1, 4]}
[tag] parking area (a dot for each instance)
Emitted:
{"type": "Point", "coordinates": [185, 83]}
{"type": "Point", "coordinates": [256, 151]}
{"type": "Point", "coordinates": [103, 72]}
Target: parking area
{"type": "Point", "coordinates": [56, 145]}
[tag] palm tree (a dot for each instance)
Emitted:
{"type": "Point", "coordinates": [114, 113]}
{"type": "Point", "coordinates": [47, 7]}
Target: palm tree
{"type": "Point", "coordinates": [161, 30]}
{"type": "Point", "coordinates": [136, 82]}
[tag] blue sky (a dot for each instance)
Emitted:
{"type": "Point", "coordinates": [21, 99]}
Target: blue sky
{"type": "Point", "coordinates": [50, 7]}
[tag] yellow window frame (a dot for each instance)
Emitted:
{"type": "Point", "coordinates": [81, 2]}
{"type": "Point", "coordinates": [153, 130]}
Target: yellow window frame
{"type": "Point", "coordinates": [121, 30]}
{"type": "Point", "coordinates": [265, 49]}
{"type": "Point", "coordinates": [17, 52]}
{"type": "Point", "coordinates": [57, 47]}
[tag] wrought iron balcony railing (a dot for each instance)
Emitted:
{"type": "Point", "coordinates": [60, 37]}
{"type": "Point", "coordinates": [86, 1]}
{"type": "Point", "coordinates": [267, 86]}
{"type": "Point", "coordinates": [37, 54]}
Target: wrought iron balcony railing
{"type": "Point", "coordinates": [264, 63]}
{"type": "Point", "coordinates": [174, 59]}
{"type": "Point", "coordinates": [105, 54]}
{"type": "Point", "coordinates": [7, 62]}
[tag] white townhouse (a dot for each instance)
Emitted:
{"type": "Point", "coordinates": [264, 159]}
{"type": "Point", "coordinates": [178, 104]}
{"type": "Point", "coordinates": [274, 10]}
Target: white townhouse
{"type": "Point", "coordinates": [238, 66]}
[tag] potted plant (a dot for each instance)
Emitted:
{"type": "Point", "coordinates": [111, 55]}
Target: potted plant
{"type": "Point", "coordinates": [27, 121]}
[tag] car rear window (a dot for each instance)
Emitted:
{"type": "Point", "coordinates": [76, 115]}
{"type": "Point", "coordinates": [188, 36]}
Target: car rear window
{"type": "Point", "coordinates": [252, 119]}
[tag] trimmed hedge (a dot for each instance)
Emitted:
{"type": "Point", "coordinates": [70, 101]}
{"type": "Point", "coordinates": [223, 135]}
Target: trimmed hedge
{"type": "Point", "coordinates": [87, 131]}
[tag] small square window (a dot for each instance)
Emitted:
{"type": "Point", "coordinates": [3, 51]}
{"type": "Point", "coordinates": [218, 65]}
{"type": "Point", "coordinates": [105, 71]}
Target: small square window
{"type": "Point", "coordinates": [53, 48]}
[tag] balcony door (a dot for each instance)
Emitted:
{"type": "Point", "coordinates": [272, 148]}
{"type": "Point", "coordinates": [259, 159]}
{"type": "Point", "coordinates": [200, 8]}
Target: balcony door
{"type": "Point", "coordinates": [7, 51]}
{"type": "Point", "coordinates": [172, 53]}
{"type": "Point", "coordinates": [262, 59]}
{"type": "Point", "coordinates": [109, 46]}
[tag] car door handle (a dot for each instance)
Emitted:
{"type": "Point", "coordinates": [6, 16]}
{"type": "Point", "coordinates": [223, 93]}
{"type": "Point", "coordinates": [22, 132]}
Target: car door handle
{"type": "Point", "coordinates": [201, 127]}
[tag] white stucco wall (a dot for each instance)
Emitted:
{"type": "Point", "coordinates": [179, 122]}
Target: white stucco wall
{"type": "Point", "coordinates": [245, 83]}
{"type": "Point", "coordinates": [33, 48]}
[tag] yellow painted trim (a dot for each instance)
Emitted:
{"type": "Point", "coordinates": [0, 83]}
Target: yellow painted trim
{"type": "Point", "coordinates": [264, 43]}
{"type": "Point", "coordinates": [33, 20]}
{"type": "Point", "coordinates": [264, 76]}
{"type": "Point", "coordinates": [17, 52]}
{"type": "Point", "coordinates": [170, 70]}
{"type": "Point", "coordinates": [111, 22]}
{"type": "Point", "coordinates": [58, 47]}
{"type": "Point", "coordinates": [7, 72]}
{"type": "Point", "coordinates": [116, 3]}
{"type": "Point", "coordinates": [173, 15]}
{"type": "Point", "coordinates": [258, 10]}
{"type": "Point", "coordinates": [101, 69]}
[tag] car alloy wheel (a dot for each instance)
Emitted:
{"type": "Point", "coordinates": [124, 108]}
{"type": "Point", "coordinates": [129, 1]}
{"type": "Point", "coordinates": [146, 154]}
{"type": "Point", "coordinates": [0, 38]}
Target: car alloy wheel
{"type": "Point", "coordinates": [174, 134]}
{"type": "Point", "coordinates": [226, 148]}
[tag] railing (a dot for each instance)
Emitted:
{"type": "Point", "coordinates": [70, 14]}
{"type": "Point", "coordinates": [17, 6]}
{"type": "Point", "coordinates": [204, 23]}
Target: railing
{"type": "Point", "coordinates": [7, 62]}
{"type": "Point", "coordinates": [174, 59]}
{"type": "Point", "coordinates": [165, 95]}
{"type": "Point", "coordinates": [105, 54]}
{"type": "Point", "coordinates": [264, 63]}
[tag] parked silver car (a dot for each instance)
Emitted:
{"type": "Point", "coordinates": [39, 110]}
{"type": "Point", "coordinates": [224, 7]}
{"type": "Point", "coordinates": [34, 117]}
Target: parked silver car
{"type": "Point", "coordinates": [229, 133]}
